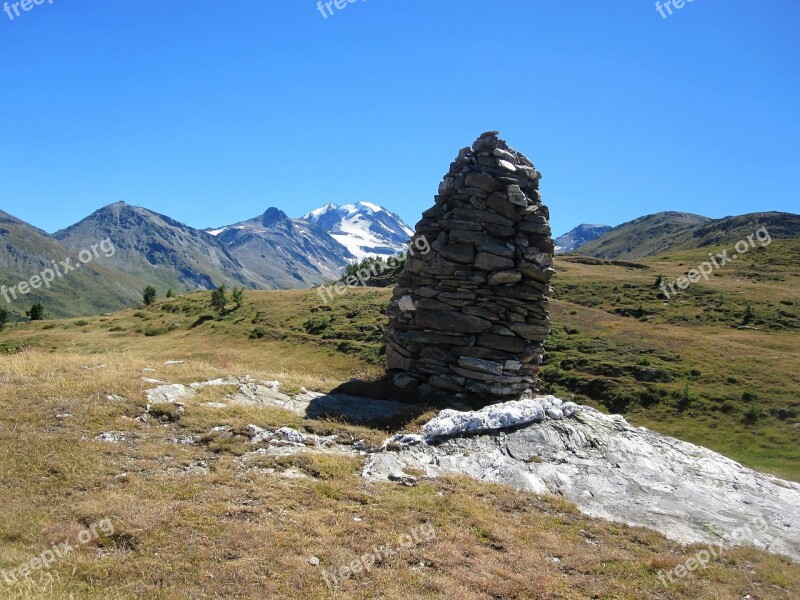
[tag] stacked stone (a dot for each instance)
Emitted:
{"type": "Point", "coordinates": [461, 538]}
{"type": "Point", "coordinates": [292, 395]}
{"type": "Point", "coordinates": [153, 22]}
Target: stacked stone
{"type": "Point", "coordinates": [468, 318]}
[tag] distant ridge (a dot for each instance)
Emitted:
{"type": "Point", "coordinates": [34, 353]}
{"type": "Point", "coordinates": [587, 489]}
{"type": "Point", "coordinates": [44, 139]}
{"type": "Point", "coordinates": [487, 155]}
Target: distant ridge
{"type": "Point", "coordinates": [156, 249]}
{"type": "Point", "coordinates": [578, 237]}
{"type": "Point", "coordinates": [671, 231]}
{"type": "Point", "coordinates": [274, 251]}
{"type": "Point", "coordinates": [645, 236]}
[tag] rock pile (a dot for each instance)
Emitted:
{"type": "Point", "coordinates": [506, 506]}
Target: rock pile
{"type": "Point", "coordinates": [469, 317]}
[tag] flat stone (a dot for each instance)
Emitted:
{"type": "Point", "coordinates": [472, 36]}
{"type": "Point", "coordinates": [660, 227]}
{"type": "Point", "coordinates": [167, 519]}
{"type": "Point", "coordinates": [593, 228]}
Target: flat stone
{"type": "Point", "coordinates": [504, 277]}
{"type": "Point", "coordinates": [482, 182]}
{"type": "Point", "coordinates": [406, 304]}
{"type": "Point", "coordinates": [430, 337]}
{"type": "Point", "coordinates": [535, 228]}
{"type": "Point", "coordinates": [500, 204]}
{"type": "Point", "coordinates": [472, 237]}
{"type": "Point", "coordinates": [506, 166]}
{"type": "Point", "coordinates": [501, 342]}
{"type": "Point", "coordinates": [169, 393]}
{"type": "Point", "coordinates": [451, 224]}
{"type": "Point", "coordinates": [451, 321]}
{"type": "Point", "coordinates": [499, 153]}
{"type": "Point", "coordinates": [485, 366]}
{"type": "Point", "coordinates": [446, 382]}
{"type": "Point", "coordinates": [459, 253]}
{"type": "Point", "coordinates": [500, 231]}
{"type": "Point", "coordinates": [480, 375]}
{"type": "Point", "coordinates": [482, 217]}
{"type": "Point", "coordinates": [516, 195]}
{"type": "Point", "coordinates": [404, 381]}
{"type": "Point", "coordinates": [491, 262]}
{"type": "Point", "coordinates": [480, 311]}
{"type": "Point", "coordinates": [530, 332]}
{"type": "Point", "coordinates": [537, 273]}
{"type": "Point", "coordinates": [504, 250]}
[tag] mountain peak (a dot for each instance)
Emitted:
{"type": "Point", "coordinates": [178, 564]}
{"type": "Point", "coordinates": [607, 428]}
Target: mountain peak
{"type": "Point", "coordinates": [368, 206]}
{"type": "Point", "coordinates": [119, 205]}
{"type": "Point", "coordinates": [272, 216]}
{"type": "Point", "coordinates": [364, 228]}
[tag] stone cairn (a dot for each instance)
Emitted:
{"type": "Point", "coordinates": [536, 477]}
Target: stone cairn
{"type": "Point", "coordinates": [469, 316]}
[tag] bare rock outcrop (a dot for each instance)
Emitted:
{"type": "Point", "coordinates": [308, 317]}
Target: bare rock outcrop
{"type": "Point", "coordinates": [612, 470]}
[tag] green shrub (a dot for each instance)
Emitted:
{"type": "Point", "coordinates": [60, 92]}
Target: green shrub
{"type": "Point", "coordinates": [753, 415]}
{"type": "Point", "coordinates": [317, 325]}
{"type": "Point", "coordinates": [685, 400]}
{"type": "Point", "coordinates": [154, 331]}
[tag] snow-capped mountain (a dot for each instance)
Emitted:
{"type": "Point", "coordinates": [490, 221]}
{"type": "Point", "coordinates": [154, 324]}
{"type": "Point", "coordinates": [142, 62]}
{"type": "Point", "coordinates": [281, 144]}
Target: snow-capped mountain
{"type": "Point", "coordinates": [287, 253]}
{"type": "Point", "coordinates": [293, 253]}
{"type": "Point", "coordinates": [365, 229]}
{"type": "Point", "coordinates": [582, 234]}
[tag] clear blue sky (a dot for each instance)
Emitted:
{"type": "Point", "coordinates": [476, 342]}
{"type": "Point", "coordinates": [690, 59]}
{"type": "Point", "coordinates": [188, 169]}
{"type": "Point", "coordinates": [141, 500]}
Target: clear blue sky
{"type": "Point", "coordinates": [213, 111]}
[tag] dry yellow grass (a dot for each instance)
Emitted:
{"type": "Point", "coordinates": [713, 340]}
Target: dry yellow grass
{"type": "Point", "coordinates": [249, 533]}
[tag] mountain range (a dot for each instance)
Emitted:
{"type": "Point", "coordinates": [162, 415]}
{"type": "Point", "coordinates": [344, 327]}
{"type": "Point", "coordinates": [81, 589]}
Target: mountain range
{"type": "Point", "coordinates": [270, 251]}
{"type": "Point", "coordinates": [274, 251]}
{"type": "Point", "coordinates": [665, 232]}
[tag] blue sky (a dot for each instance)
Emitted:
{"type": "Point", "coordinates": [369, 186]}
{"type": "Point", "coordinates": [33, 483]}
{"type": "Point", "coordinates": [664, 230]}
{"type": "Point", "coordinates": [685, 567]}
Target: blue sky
{"type": "Point", "coordinates": [213, 111]}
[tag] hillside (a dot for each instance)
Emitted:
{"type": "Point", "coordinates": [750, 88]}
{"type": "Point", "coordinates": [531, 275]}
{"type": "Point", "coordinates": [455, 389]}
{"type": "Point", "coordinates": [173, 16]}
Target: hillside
{"type": "Point", "coordinates": [156, 249]}
{"type": "Point", "coordinates": [189, 485]}
{"type": "Point", "coordinates": [670, 231]}
{"type": "Point", "coordinates": [684, 368]}
{"type": "Point", "coordinates": [26, 251]}
{"type": "Point", "coordinates": [645, 236]}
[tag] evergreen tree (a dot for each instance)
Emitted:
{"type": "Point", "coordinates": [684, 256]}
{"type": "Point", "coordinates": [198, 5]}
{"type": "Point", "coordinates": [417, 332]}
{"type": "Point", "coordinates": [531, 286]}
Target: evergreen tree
{"type": "Point", "coordinates": [237, 295]}
{"type": "Point", "coordinates": [36, 313]}
{"type": "Point", "coordinates": [5, 316]}
{"type": "Point", "coordinates": [149, 295]}
{"type": "Point", "coordinates": [219, 299]}
{"type": "Point", "coordinates": [170, 293]}
{"type": "Point", "coordinates": [749, 314]}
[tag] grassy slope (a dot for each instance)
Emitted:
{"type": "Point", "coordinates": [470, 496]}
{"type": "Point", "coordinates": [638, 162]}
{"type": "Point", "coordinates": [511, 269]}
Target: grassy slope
{"type": "Point", "coordinates": [643, 236]}
{"type": "Point", "coordinates": [734, 390]}
{"type": "Point", "coordinates": [241, 534]}
{"type": "Point", "coordinates": [666, 232]}
{"type": "Point", "coordinates": [93, 288]}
